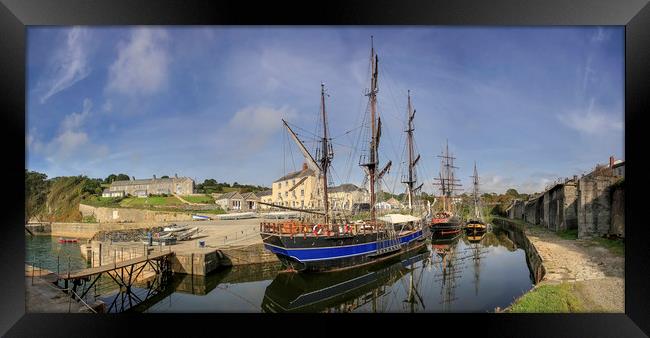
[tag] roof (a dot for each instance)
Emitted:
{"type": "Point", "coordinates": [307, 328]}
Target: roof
{"type": "Point", "coordinates": [229, 196]}
{"type": "Point", "coordinates": [264, 193]}
{"type": "Point", "coordinates": [344, 188]}
{"type": "Point", "coordinates": [393, 201]}
{"type": "Point", "coordinates": [249, 196]}
{"type": "Point", "coordinates": [618, 163]}
{"type": "Point", "coordinates": [149, 181]}
{"type": "Point", "coordinates": [296, 174]}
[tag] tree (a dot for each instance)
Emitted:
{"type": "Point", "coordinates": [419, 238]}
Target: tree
{"type": "Point", "coordinates": [165, 176]}
{"type": "Point", "coordinates": [36, 189]}
{"type": "Point", "coordinates": [512, 192]}
{"type": "Point", "coordinates": [110, 178]}
{"type": "Point", "coordinates": [123, 177]}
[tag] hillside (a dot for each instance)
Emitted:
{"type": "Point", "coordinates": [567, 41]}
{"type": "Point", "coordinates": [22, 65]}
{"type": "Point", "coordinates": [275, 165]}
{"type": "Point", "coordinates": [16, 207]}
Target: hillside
{"type": "Point", "coordinates": [55, 200]}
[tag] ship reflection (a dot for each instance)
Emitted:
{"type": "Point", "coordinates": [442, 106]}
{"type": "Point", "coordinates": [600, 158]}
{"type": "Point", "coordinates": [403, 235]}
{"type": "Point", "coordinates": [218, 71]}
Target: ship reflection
{"type": "Point", "coordinates": [343, 291]}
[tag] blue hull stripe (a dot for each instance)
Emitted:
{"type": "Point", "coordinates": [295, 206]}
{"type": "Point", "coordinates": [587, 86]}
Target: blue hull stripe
{"type": "Point", "coordinates": [318, 254]}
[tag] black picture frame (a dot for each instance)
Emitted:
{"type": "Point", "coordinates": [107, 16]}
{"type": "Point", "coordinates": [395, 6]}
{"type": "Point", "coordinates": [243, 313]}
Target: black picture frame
{"type": "Point", "coordinates": [15, 15]}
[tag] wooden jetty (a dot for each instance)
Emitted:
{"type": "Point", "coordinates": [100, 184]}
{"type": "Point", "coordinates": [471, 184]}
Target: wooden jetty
{"type": "Point", "coordinates": [124, 274]}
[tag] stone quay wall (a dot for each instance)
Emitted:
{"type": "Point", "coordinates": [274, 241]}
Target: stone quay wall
{"type": "Point", "coordinates": [113, 215]}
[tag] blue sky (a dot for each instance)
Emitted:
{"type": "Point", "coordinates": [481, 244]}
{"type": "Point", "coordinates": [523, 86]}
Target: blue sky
{"type": "Point", "coordinates": [528, 104]}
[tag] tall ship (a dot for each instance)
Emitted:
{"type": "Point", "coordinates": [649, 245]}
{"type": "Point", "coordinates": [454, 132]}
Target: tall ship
{"type": "Point", "coordinates": [446, 221]}
{"type": "Point", "coordinates": [328, 241]}
{"type": "Point", "coordinates": [475, 222]}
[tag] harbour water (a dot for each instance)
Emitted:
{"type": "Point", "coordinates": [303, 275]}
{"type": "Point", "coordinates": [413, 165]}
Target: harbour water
{"type": "Point", "coordinates": [47, 253]}
{"type": "Point", "coordinates": [462, 274]}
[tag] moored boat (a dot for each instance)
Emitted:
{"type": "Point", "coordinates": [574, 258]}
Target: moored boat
{"type": "Point", "coordinates": [333, 245]}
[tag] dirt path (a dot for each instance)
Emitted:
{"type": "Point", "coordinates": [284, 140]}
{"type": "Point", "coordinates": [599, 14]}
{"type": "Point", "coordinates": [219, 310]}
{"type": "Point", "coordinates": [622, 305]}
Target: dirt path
{"type": "Point", "coordinates": [598, 273]}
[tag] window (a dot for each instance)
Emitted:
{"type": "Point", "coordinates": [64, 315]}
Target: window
{"type": "Point", "coordinates": [286, 194]}
{"type": "Point", "coordinates": [302, 192]}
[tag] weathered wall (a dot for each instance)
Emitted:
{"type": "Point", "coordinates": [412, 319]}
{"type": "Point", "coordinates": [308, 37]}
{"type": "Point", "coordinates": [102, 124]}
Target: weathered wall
{"type": "Point", "coordinates": [618, 212]}
{"type": "Point", "coordinates": [570, 207]}
{"type": "Point", "coordinates": [88, 230]}
{"type": "Point", "coordinates": [132, 215]}
{"type": "Point", "coordinates": [594, 205]}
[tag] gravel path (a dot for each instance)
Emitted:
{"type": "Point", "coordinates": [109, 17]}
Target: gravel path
{"type": "Point", "coordinates": [597, 272]}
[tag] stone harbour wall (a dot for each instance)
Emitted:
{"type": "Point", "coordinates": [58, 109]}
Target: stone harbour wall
{"type": "Point", "coordinates": [103, 214]}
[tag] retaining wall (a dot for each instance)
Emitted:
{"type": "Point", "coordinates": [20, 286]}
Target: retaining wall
{"type": "Point", "coordinates": [103, 214]}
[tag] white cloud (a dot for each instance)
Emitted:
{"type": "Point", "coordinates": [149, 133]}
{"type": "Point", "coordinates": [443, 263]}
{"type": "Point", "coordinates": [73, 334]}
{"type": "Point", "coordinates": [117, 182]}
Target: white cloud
{"type": "Point", "coordinates": [592, 122]}
{"type": "Point", "coordinates": [71, 144]}
{"type": "Point", "coordinates": [600, 35]}
{"type": "Point", "coordinates": [252, 127]}
{"type": "Point", "coordinates": [69, 64]}
{"type": "Point", "coordinates": [142, 63]}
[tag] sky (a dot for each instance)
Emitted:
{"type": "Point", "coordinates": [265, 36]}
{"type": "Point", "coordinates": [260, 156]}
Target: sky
{"type": "Point", "coordinates": [529, 105]}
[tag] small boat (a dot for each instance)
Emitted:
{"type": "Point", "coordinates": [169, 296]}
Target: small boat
{"type": "Point", "coordinates": [175, 227]}
{"type": "Point", "coordinates": [200, 217]}
{"type": "Point", "coordinates": [68, 240]}
{"type": "Point", "coordinates": [236, 215]}
{"type": "Point", "coordinates": [476, 223]}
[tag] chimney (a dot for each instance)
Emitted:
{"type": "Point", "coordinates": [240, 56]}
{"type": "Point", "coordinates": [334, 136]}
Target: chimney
{"type": "Point", "coordinates": [154, 177]}
{"type": "Point", "coordinates": [304, 166]}
{"type": "Point", "coordinates": [611, 161]}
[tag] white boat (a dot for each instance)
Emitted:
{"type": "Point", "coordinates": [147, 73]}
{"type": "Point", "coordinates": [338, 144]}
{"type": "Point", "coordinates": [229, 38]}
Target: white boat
{"type": "Point", "coordinates": [200, 217]}
{"type": "Point", "coordinates": [237, 215]}
{"type": "Point", "coordinates": [175, 227]}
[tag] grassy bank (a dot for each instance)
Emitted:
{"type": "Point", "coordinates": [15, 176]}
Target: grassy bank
{"type": "Point", "coordinates": [205, 199]}
{"type": "Point", "coordinates": [559, 298]}
{"type": "Point", "coordinates": [616, 246]}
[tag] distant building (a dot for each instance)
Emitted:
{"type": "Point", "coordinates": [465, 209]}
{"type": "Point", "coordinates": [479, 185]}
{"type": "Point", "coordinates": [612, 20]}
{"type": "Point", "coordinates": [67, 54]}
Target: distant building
{"type": "Point", "coordinates": [344, 196]}
{"type": "Point", "coordinates": [617, 166]}
{"type": "Point", "coordinates": [229, 201]}
{"type": "Point", "coordinates": [265, 196]}
{"type": "Point", "coordinates": [154, 186]}
{"type": "Point", "coordinates": [394, 203]}
{"type": "Point", "coordinates": [108, 193]}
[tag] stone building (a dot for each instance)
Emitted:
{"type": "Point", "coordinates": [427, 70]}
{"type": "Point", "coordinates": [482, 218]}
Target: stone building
{"type": "Point", "coordinates": [265, 196]}
{"type": "Point", "coordinates": [299, 189]}
{"type": "Point", "coordinates": [235, 201]}
{"type": "Point", "coordinates": [303, 189]}
{"type": "Point", "coordinates": [516, 209]}
{"type": "Point", "coordinates": [344, 196]}
{"type": "Point", "coordinates": [595, 202]}
{"type": "Point", "coordinates": [153, 186]}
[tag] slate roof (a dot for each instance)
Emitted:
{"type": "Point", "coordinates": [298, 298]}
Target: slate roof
{"type": "Point", "coordinates": [296, 174]}
{"type": "Point", "coordinates": [149, 181]}
{"type": "Point", "coordinates": [347, 187]}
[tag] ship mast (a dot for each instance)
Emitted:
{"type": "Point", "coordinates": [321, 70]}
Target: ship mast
{"type": "Point", "coordinates": [410, 179]}
{"type": "Point", "coordinates": [327, 153]}
{"type": "Point", "coordinates": [477, 211]}
{"type": "Point", "coordinates": [447, 181]}
{"type": "Point", "coordinates": [375, 129]}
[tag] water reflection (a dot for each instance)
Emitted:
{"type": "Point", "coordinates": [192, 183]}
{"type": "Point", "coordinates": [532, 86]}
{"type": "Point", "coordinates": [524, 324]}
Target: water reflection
{"type": "Point", "coordinates": [465, 272]}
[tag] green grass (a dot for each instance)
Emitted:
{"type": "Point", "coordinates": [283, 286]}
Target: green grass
{"type": "Point", "coordinates": [102, 201]}
{"type": "Point", "coordinates": [568, 234]}
{"type": "Point", "coordinates": [205, 199]}
{"type": "Point", "coordinates": [549, 299]}
{"type": "Point", "coordinates": [616, 246]}
{"type": "Point", "coordinates": [89, 219]}
{"type": "Point", "coordinates": [146, 202]}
